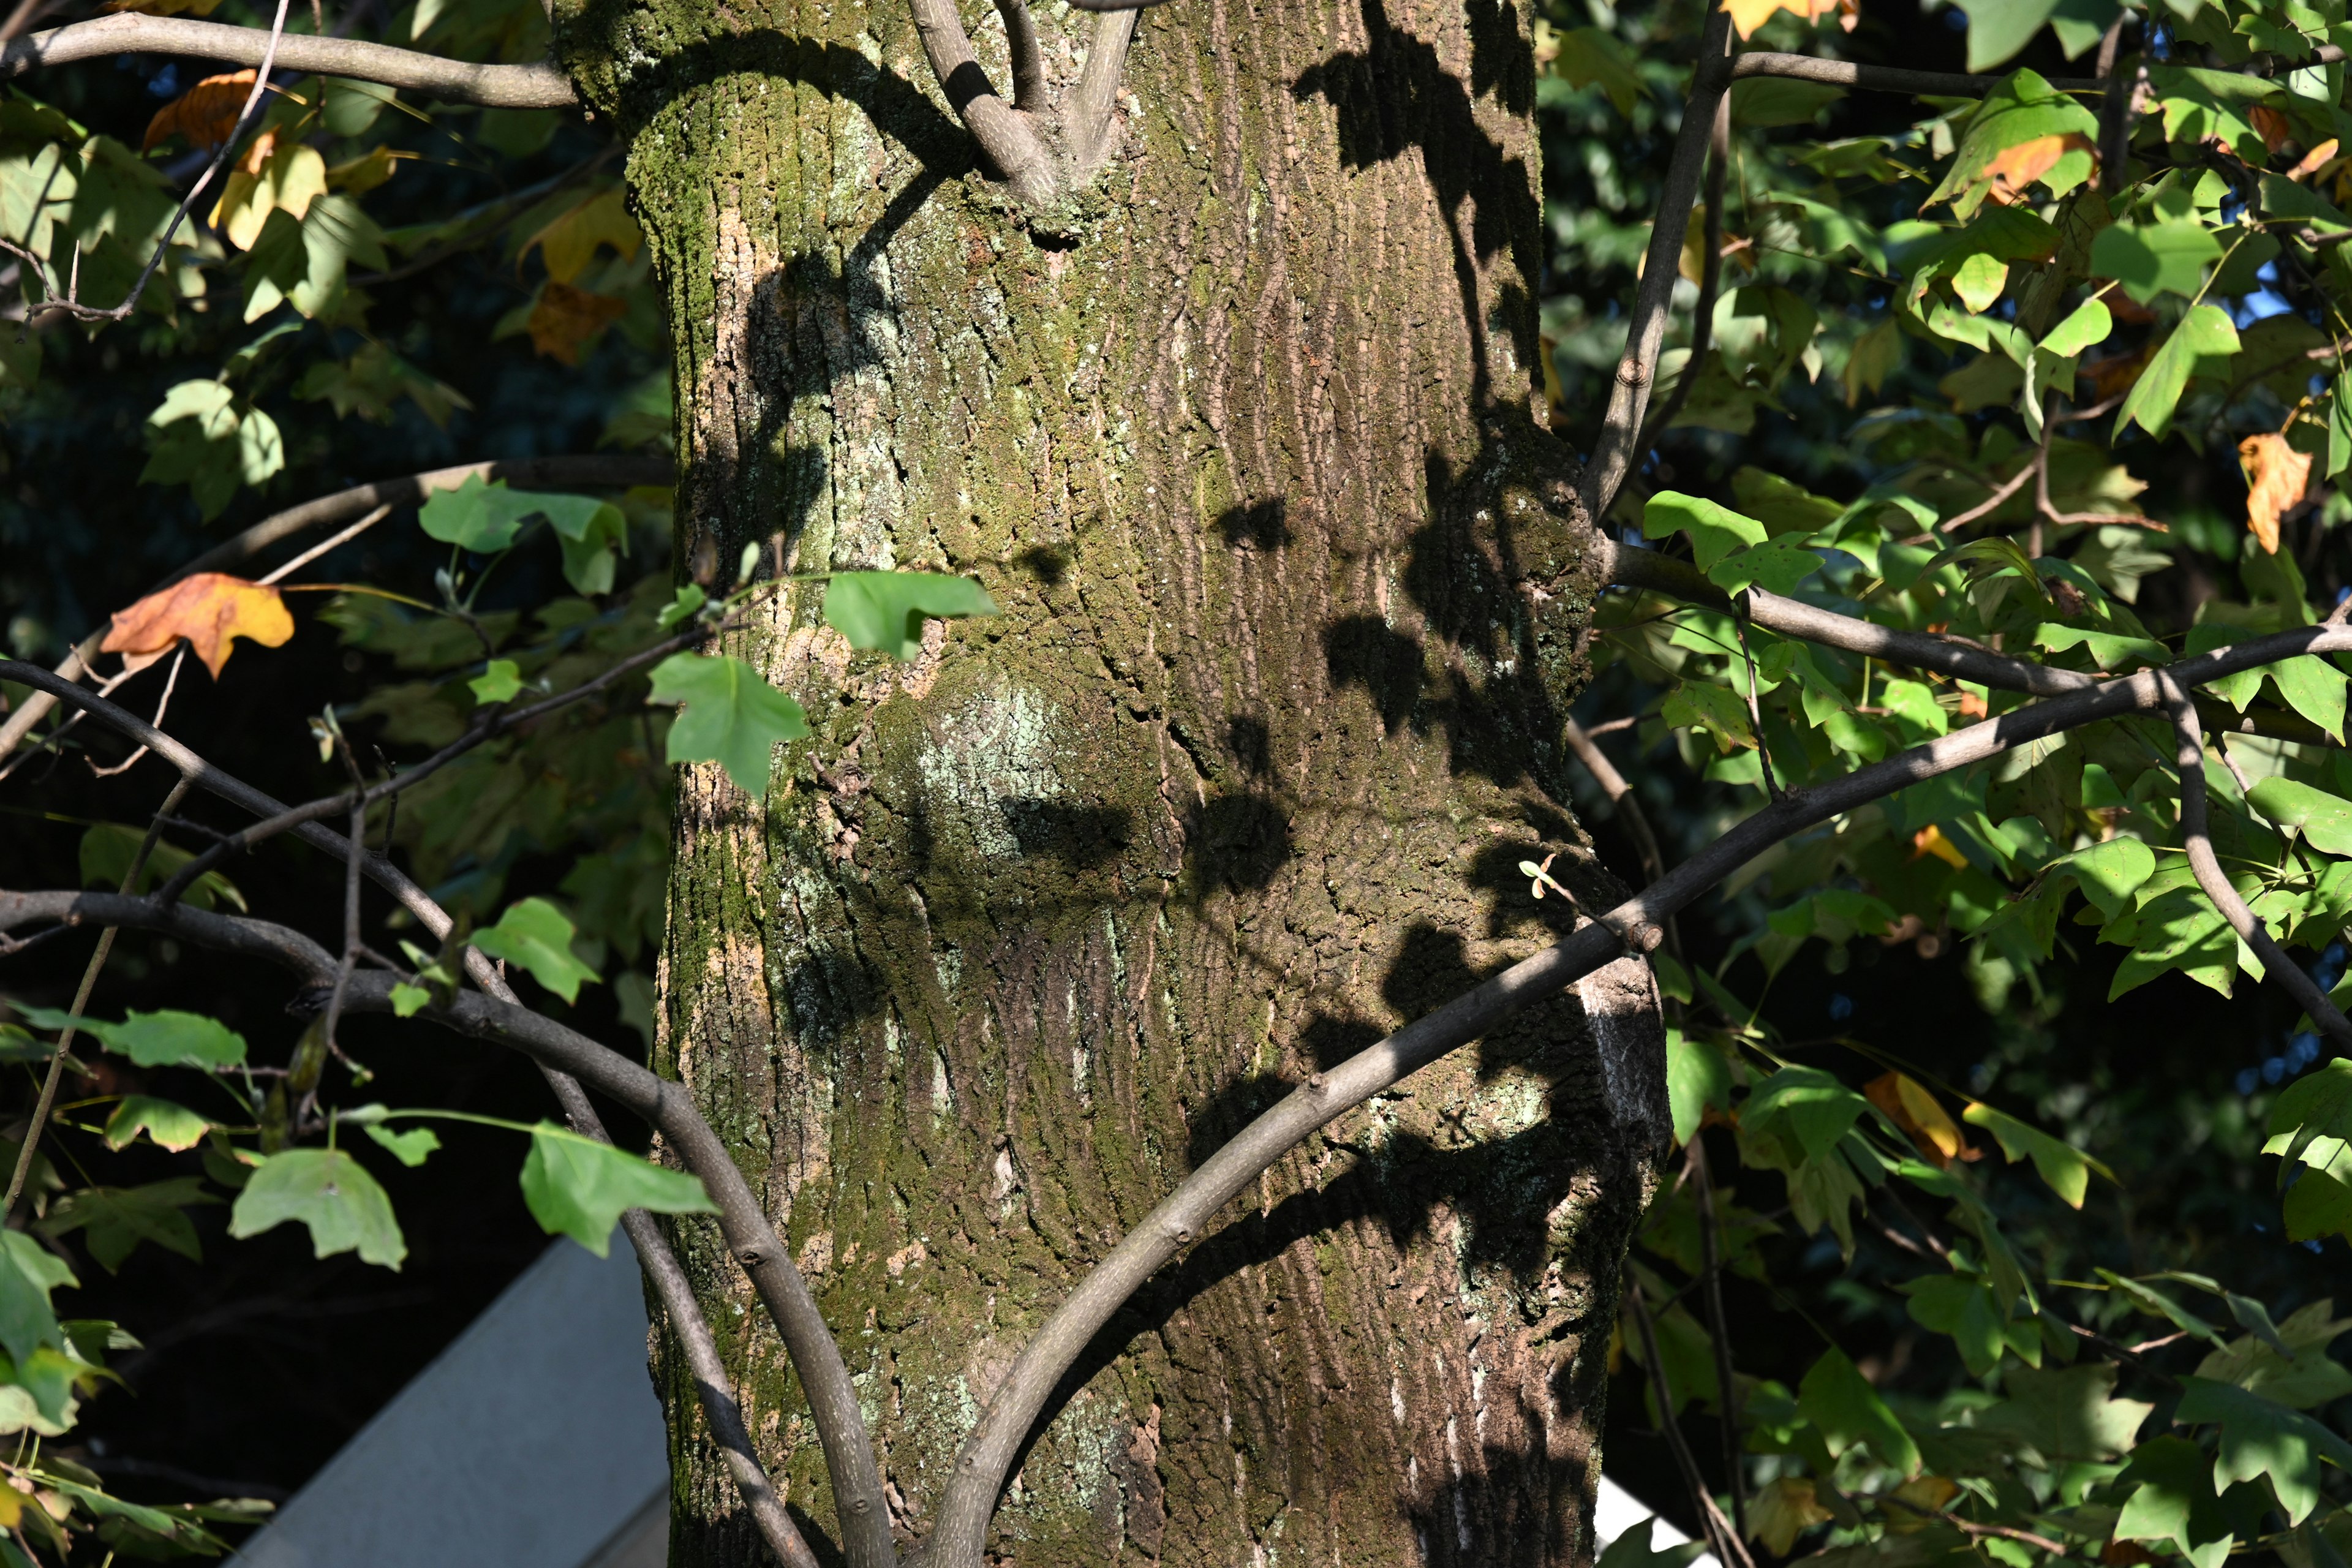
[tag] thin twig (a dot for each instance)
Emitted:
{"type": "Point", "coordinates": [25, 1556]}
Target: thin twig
{"type": "Point", "coordinates": [49, 1095]}
{"type": "Point", "coordinates": [162, 706]}
{"type": "Point", "coordinates": [324, 545]}
{"type": "Point", "coordinates": [1028, 59]}
{"type": "Point", "coordinates": [71, 305]}
{"type": "Point", "coordinates": [1710, 284]}
{"type": "Point", "coordinates": [1718, 1325]}
{"type": "Point", "coordinates": [1629, 393]}
{"type": "Point", "coordinates": [1730, 1549]}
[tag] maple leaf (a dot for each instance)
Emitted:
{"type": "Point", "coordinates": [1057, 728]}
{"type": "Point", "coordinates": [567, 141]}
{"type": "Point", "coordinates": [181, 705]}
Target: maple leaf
{"type": "Point", "coordinates": [2014, 170]}
{"type": "Point", "coordinates": [567, 244]}
{"type": "Point", "coordinates": [209, 609]}
{"type": "Point", "coordinates": [2271, 126]}
{"type": "Point", "coordinates": [207, 114]}
{"type": "Point", "coordinates": [566, 320]}
{"type": "Point", "coordinates": [2314, 160]}
{"type": "Point", "coordinates": [2276, 476]}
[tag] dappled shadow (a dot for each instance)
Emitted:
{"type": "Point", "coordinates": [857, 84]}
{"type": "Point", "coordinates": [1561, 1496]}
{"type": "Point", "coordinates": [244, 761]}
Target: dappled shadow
{"type": "Point", "coordinates": [1077, 836]}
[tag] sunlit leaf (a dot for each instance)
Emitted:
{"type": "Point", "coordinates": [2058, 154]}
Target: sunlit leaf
{"type": "Point", "coordinates": [210, 609]}
{"type": "Point", "coordinates": [168, 1124]}
{"type": "Point", "coordinates": [886, 610]}
{"type": "Point", "coordinates": [577, 1187]}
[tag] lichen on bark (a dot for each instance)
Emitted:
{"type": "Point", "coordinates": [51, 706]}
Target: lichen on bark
{"type": "Point", "coordinates": [1243, 442]}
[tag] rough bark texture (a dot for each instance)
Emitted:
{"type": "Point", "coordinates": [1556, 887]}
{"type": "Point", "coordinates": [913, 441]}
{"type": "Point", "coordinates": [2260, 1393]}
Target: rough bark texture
{"type": "Point", "coordinates": [1241, 442]}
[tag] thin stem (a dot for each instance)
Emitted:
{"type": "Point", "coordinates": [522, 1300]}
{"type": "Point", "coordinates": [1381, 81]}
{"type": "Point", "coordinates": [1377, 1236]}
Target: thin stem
{"type": "Point", "coordinates": [2009, 488]}
{"type": "Point", "coordinates": [162, 706]}
{"type": "Point", "coordinates": [1729, 1548]}
{"type": "Point", "coordinates": [1754, 708]}
{"type": "Point", "coordinates": [1622, 800]}
{"type": "Point", "coordinates": [49, 1095]}
{"type": "Point", "coordinates": [1718, 1326]}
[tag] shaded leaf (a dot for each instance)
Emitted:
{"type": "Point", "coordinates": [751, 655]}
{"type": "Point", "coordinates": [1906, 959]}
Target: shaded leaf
{"type": "Point", "coordinates": [329, 1192]}
{"type": "Point", "coordinates": [168, 1125]}
{"type": "Point", "coordinates": [535, 935]}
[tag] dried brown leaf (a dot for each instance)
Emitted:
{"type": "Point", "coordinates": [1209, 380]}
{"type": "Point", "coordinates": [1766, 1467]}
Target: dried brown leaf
{"type": "Point", "coordinates": [209, 609]}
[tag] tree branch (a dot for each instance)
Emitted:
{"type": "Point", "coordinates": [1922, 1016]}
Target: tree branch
{"type": "Point", "coordinates": [1730, 1552]}
{"type": "Point", "coordinates": [1028, 60]}
{"type": "Point", "coordinates": [985, 1463]}
{"type": "Point", "coordinates": [1886, 78]}
{"type": "Point", "coordinates": [825, 1379]}
{"type": "Point", "coordinates": [1096, 94]}
{"type": "Point", "coordinates": [602, 470]}
{"type": "Point", "coordinates": [1006, 136]}
{"type": "Point", "coordinates": [450, 81]}
{"type": "Point", "coordinates": [1710, 284]}
{"type": "Point", "coordinates": [2196, 840]}
{"type": "Point", "coordinates": [1629, 393]}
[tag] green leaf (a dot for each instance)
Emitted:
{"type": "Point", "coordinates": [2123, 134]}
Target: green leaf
{"type": "Point", "coordinates": [2066, 1168]}
{"type": "Point", "coordinates": [2175, 1501]}
{"type": "Point", "coordinates": [1843, 1406]}
{"type": "Point", "coordinates": [577, 1187]}
{"type": "Point", "coordinates": [2325, 820]}
{"type": "Point", "coordinates": [886, 610]}
{"type": "Point", "coordinates": [2066, 1412]}
{"type": "Point", "coordinates": [2087, 328]}
{"type": "Point", "coordinates": [1632, 1549]}
{"type": "Point", "coordinates": [2109, 650]}
{"type": "Point", "coordinates": [1807, 1110]}
{"type": "Point", "coordinates": [1696, 1078]}
{"type": "Point", "coordinates": [154, 1039]}
{"type": "Point", "coordinates": [2156, 1304]}
{"type": "Point", "coordinates": [331, 1193]}
{"type": "Point", "coordinates": [28, 1272]}
{"type": "Point", "coordinates": [496, 683]}
{"type": "Point", "coordinates": [2263, 1439]}
{"type": "Point", "coordinates": [1978, 280]}
{"type": "Point", "coordinates": [1714, 532]}
{"type": "Point", "coordinates": [2148, 259]}
{"type": "Point", "coordinates": [732, 716]}
{"type": "Point", "coordinates": [119, 1218]}
{"type": "Point", "coordinates": [2318, 1206]}
{"type": "Point", "coordinates": [1998, 28]}
{"type": "Point", "coordinates": [2023, 107]}
{"type": "Point", "coordinates": [2111, 872]}
{"type": "Point", "coordinates": [2315, 688]}
{"type": "Point", "coordinates": [484, 518]}
{"type": "Point", "coordinates": [167, 1125]}
{"type": "Point", "coordinates": [1965, 1307]}
{"type": "Point", "coordinates": [1591, 57]}
{"type": "Point", "coordinates": [535, 935]}
{"type": "Point", "coordinates": [2316, 1105]}
{"type": "Point", "coordinates": [685, 607]}
{"type": "Point", "coordinates": [108, 848]}
{"type": "Point", "coordinates": [2205, 335]}
{"type": "Point", "coordinates": [410, 1148]}
{"type": "Point", "coordinates": [408, 1000]}
{"type": "Point", "coordinates": [1699, 705]}
{"type": "Point", "coordinates": [1777, 568]}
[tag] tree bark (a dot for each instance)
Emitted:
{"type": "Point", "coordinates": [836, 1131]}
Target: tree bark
{"type": "Point", "coordinates": [1242, 440]}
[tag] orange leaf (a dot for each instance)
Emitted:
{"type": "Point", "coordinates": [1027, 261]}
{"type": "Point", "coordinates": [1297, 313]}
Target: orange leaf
{"type": "Point", "coordinates": [2014, 170]}
{"type": "Point", "coordinates": [205, 114]}
{"type": "Point", "coordinates": [2276, 476]}
{"type": "Point", "coordinates": [2272, 126]}
{"type": "Point", "coordinates": [2313, 160]}
{"type": "Point", "coordinates": [566, 320]}
{"type": "Point", "coordinates": [257, 154]}
{"type": "Point", "coordinates": [1923, 1119]}
{"type": "Point", "coordinates": [208, 609]}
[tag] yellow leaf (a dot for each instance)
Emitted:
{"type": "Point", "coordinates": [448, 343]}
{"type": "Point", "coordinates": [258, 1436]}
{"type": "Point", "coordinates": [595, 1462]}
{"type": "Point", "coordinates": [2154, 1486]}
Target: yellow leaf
{"type": "Point", "coordinates": [569, 243]}
{"type": "Point", "coordinates": [1916, 1501]}
{"type": "Point", "coordinates": [271, 175]}
{"type": "Point", "coordinates": [205, 114]}
{"type": "Point", "coordinates": [2276, 476]}
{"type": "Point", "coordinates": [12, 1507]}
{"type": "Point", "coordinates": [567, 319]}
{"type": "Point", "coordinates": [297, 175]}
{"type": "Point", "coordinates": [364, 174]}
{"type": "Point", "coordinates": [1782, 1512]}
{"type": "Point", "coordinates": [1909, 1106]}
{"type": "Point", "coordinates": [1749, 15]}
{"type": "Point", "coordinates": [209, 609]}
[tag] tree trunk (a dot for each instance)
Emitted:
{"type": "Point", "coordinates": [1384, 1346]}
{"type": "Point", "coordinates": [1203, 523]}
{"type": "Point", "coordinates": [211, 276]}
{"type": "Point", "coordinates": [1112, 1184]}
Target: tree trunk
{"type": "Point", "coordinates": [1244, 443]}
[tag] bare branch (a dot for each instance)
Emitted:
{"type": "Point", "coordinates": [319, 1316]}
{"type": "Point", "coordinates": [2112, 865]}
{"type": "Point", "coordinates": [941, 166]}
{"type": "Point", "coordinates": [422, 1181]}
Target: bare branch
{"type": "Point", "coordinates": [1629, 394]}
{"type": "Point", "coordinates": [2196, 840]}
{"type": "Point", "coordinates": [1006, 136]}
{"type": "Point", "coordinates": [602, 470]}
{"type": "Point", "coordinates": [1621, 796]}
{"type": "Point", "coordinates": [1729, 1550]}
{"type": "Point", "coordinates": [450, 81]}
{"type": "Point", "coordinates": [1710, 284]}
{"type": "Point", "coordinates": [1718, 1326]}
{"type": "Point", "coordinates": [1887, 79]}
{"type": "Point", "coordinates": [815, 1358]}
{"type": "Point", "coordinates": [1028, 60]}
{"type": "Point", "coordinates": [1096, 94]}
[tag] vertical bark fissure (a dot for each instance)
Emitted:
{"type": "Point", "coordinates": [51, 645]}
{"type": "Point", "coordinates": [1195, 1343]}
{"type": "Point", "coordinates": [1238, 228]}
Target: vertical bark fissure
{"type": "Point", "coordinates": [1242, 443]}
